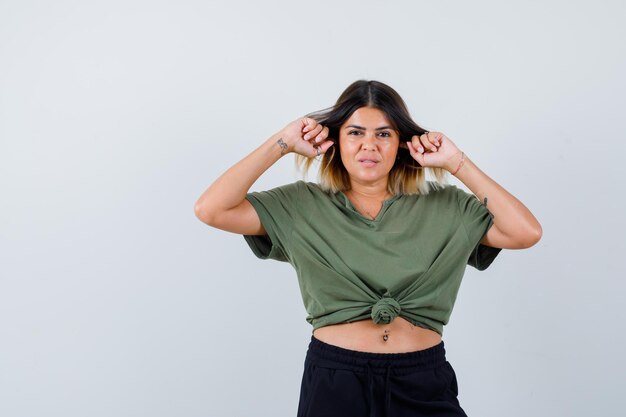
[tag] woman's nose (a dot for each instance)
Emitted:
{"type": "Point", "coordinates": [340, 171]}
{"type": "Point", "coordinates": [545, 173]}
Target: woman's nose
{"type": "Point", "coordinates": [369, 141]}
{"type": "Point", "coordinates": [368, 145]}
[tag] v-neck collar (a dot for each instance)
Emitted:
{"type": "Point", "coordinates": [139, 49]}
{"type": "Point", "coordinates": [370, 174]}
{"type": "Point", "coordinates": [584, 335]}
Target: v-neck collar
{"type": "Point", "coordinates": [386, 203]}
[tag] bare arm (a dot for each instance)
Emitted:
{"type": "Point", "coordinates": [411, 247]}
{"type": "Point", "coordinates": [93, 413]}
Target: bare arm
{"type": "Point", "coordinates": [224, 206]}
{"type": "Point", "coordinates": [514, 226]}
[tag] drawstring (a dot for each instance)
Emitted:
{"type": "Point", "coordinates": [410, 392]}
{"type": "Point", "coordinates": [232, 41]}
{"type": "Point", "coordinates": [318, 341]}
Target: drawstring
{"type": "Point", "coordinates": [370, 381]}
{"type": "Point", "coordinates": [387, 390]}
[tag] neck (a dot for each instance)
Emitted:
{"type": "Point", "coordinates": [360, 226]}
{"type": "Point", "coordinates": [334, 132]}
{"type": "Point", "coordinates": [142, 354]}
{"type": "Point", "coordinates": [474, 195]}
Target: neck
{"type": "Point", "coordinates": [370, 191]}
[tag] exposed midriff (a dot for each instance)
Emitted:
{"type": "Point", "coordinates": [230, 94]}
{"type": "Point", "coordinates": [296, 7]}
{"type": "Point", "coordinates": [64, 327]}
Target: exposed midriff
{"type": "Point", "coordinates": [367, 336]}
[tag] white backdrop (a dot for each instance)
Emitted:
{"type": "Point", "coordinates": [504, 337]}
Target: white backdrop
{"type": "Point", "coordinates": [116, 115]}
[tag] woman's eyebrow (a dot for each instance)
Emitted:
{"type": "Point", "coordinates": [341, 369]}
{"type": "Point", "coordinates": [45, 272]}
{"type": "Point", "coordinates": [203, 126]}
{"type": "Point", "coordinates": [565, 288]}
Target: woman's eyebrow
{"type": "Point", "coordinates": [362, 128]}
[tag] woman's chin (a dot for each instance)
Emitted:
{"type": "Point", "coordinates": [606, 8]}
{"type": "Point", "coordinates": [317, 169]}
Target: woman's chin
{"type": "Point", "coordinates": [369, 176]}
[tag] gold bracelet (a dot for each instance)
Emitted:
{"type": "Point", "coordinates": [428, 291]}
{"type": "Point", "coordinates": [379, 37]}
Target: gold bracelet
{"type": "Point", "coordinates": [460, 163]}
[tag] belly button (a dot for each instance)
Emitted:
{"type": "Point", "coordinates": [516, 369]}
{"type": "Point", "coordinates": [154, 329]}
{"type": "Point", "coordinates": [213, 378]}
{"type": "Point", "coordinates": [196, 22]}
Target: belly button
{"type": "Point", "coordinates": [386, 336]}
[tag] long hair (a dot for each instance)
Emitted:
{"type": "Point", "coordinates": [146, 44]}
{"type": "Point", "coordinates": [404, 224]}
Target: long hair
{"type": "Point", "coordinates": [406, 175]}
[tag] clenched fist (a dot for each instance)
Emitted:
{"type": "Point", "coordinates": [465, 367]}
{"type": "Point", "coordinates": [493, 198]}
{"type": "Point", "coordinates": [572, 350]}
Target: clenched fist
{"type": "Point", "coordinates": [305, 136]}
{"type": "Point", "coordinates": [434, 149]}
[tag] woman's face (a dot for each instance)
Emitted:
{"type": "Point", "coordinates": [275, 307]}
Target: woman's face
{"type": "Point", "coordinates": [368, 145]}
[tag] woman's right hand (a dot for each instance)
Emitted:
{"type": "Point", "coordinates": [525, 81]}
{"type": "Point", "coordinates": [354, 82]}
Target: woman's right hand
{"type": "Point", "coordinates": [224, 205]}
{"type": "Point", "coordinates": [303, 135]}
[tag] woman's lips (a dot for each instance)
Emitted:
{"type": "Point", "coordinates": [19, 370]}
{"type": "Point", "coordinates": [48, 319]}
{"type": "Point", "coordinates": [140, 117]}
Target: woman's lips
{"type": "Point", "coordinates": [368, 162]}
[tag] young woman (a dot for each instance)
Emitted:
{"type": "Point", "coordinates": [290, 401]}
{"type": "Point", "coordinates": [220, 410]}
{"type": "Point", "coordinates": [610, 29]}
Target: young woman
{"type": "Point", "coordinates": [379, 250]}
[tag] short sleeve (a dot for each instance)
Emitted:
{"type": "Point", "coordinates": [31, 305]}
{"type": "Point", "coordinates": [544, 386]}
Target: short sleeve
{"type": "Point", "coordinates": [276, 209]}
{"type": "Point", "coordinates": [477, 220]}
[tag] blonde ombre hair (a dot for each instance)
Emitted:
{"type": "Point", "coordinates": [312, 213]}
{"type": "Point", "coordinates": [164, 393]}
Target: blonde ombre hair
{"type": "Point", "coordinates": [406, 175]}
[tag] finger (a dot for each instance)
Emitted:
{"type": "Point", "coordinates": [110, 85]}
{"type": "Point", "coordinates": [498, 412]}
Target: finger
{"type": "Point", "coordinates": [313, 132]}
{"type": "Point", "coordinates": [427, 144]}
{"type": "Point", "coordinates": [326, 145]}
{"type": "Point", "coordinates": [412, 150]}
{"type": "Point", "coordinates": [322, 148]}
{"type": "Point", "coordinates": [432, 139]}
{"type": "Point", "coordinates": [309, 124]}
{"type": "Point", "coordinates": [318, 128]}
{"type": "Point", "coordinates": [417, 146]}
{"type": "Point", "coordinates": [415, 154]}
{"type": "Point", "coordinates": [322, 135]}
{"type": "Point", "coordinates": [436, 139]}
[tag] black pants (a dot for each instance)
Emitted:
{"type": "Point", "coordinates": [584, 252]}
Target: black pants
{"type": "Point", "coordinates": [346, 383]}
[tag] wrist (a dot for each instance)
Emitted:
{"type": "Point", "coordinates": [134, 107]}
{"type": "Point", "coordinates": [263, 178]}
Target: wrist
{"type": "Point", "coordinates": [456, 162]}
{"type": "Point", "coordinates": [279, 142]}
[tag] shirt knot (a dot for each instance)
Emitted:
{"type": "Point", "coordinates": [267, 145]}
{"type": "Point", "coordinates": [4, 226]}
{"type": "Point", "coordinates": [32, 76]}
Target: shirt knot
{"type": "Point", "coordinates": [385, 310]}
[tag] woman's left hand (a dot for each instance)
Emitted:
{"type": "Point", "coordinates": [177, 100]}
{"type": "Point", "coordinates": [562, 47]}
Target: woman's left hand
{"type": "Point", "coordinates": [434, 150]}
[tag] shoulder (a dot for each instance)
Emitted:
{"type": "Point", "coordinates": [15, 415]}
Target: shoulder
{"type": "Point", "coordinates": [285, 189]}
{"type": "Point", "coordinates": [436, 191]}
{"type": "Point", "coordinates": [447, 191]}
{"type": "Point", "coordinates": [439, 200]}
{"type": "Point", "coordinates": [313, 189]}
{"type": "Point", "coordinates": [437, 187]}
{"type": "Point", "coordinates": [296, 191]}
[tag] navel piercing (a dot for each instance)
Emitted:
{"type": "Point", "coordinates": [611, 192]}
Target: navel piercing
{"type": "Point", "coordinates": [386, 336]}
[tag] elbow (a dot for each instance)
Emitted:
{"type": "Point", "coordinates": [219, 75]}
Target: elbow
{"type": "Point", "coordinates": [202, 214]}
{"type": "Point", "coordinates": [537, 233]}
{"type": "Point", "coordinates": [532, 237]}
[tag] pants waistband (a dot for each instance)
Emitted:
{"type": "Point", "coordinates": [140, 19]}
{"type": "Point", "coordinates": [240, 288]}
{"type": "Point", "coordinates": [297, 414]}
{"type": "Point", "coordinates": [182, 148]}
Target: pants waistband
{"type": "Point", "coordinates": [432, 357]}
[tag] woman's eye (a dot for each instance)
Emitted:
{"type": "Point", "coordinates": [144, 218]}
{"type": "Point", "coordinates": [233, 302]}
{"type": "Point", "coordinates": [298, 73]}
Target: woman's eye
{"type": "Point", "coordinates": [357, 132]}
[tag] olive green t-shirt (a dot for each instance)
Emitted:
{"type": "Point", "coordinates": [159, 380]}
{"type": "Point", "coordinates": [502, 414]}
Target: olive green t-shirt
{"type": "Point", "coordinates": [408, 261]}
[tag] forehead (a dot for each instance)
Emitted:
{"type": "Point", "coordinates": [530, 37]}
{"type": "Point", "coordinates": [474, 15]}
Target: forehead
{"type": "Point", "coordinates": [368, 117]}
